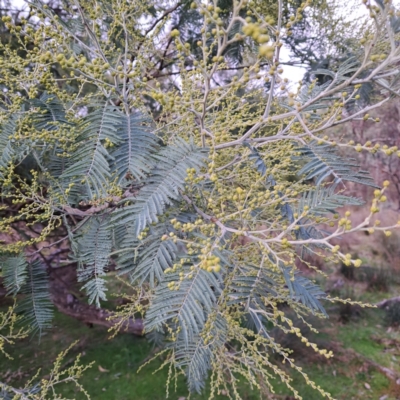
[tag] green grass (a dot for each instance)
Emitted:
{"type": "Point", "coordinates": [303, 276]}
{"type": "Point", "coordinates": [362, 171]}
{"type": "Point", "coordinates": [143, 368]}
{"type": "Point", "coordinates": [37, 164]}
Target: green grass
{"type": "Point", "coordinates": [114, 375]}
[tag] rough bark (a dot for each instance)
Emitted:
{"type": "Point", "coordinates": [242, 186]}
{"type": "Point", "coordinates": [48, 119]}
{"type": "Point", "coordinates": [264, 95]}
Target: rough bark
{"type": "Point", "coordinates": [388, 302]}
{"type": "Point", "coordinates": [62, 293]}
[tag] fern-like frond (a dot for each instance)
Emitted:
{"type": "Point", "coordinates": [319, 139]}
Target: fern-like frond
{"type": "Point", "coordinates": [252, 284]}
{"type": "Point", "coordinates": [93, 253]}
{"type": "Point", "coordinates": [146, 260]}
{"type": "Point", "coordinates": [48, 114]}
{"type": "Point", "coordinates": [36, 305]}
{"type": "Point", "coordinates": [323, 162]}
{"type": "Point", "coordinates": [90, 162]}
{"type": "Point", "coordinates": [250, 288]}
{"type": "Point", "coordinates": [304, 291]}
{"type": "Point", "coordinates": [121, 236]}
{"type": "Point", "coordinates": [185, 303]}
{"type": "Point", "coordinates": [14, 273]}
{"type": "Point", "coordinates": [310, 91]}
{"type": "Point", "coordinates": [8, 392]}
{"type": "Point", "coordinates": [331, 78]}
{"type": "Point", "coordinates": [133, 155]}
{"type": "Point", "coordinates": [343, 72]}
{"type": "Point", "coordinates": [163, 185]}
{"type": "Point", "coordinates": [105, 119]}
{"type": "Point", "coordinates": [57, 163]}
{"type": "Point", "coordinates": [320, 201]}
{"type": "Point", "coordinates": [51, 112]}
{"type": "Point", "coordinates": [195, 358]}
{"type": "Point", "coordinates": [7, 151]}
{"type": "Point", "coordinates": [346, 68]}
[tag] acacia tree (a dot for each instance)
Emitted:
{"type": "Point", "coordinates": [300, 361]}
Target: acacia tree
{"type": "Point", "coordinates": [159, 140]}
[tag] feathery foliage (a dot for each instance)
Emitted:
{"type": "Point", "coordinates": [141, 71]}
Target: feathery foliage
{"type": "Point", "coordinates": [323, 162]}
{"type": "Point", "coordinates": [163, 142]}
{"type": "Point", "coordinates": [146, 260]}
{"type": "Point", "coordinates": [52, 112]}
{"type": "Point", "coordinates": [187, 306]}
{"type": "Point", "coordinates": [320, 201]}
{"type": "Point", "coordinates": [36, 305]}
{"type": "Point", "coordinates": [92, 255]}
{"type": "Point", "coordinates": [250, 289]}
{"type": "Point", "coordinates": [132, 156]}
{"type": "Point", "coordinates": [6, 148]}
{"type": "Point", "coordinates": [89, 164]}
{"type": "Point", "coordinates": [162, 186]}
{"type": "Point", "coordinates": [197, 356]}
{"type": "Point", "coordinates": [304, 291]}
{"type": "Point", "coordinates": [14, 271]}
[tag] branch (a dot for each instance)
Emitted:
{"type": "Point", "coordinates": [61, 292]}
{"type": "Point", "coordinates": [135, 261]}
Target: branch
{"type": "Point", "coordinates": [165, 14]}
{"type": "Point", "coordinates": [388, 302]}
{"type": "Point", "coordinates": [61, 289]}
{"type": "Point", "coordinates": [95, 209]}
{"type": "Point", "coordinates": [92, 210]}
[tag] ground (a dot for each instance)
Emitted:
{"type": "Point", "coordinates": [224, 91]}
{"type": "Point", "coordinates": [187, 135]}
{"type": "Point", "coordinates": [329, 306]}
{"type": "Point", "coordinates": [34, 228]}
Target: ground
{"type": "Point", "coordinates": [362, 342]}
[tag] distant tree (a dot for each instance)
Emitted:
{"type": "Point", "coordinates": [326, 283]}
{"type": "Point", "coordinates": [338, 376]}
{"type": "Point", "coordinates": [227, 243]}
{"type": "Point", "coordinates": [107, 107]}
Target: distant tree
{"type": "Point", "coordinates": [159, 140]}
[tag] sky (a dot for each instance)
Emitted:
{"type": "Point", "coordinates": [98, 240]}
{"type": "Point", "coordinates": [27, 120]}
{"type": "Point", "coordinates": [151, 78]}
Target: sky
{"type": "Point", "coordinates": [296, 73]}
{"type": "Point", "coordinates": [293, 73]}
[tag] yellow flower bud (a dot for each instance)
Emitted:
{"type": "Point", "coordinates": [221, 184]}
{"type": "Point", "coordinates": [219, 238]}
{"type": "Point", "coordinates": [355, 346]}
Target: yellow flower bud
{"type": "Point", "coordinates": [263, 39]}
{"type": "Point", "coordinates": [335, 249]}
{"type": "Point", "coordinates": [266, 51]}
{"type": "Point", "coordinates": [175, 33]}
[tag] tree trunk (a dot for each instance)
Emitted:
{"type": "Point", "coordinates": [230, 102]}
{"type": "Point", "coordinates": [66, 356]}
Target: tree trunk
{"type": "Point", "coordinates": [388, 302]}
{"type": "Point", "coordinates": [62, 293]}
